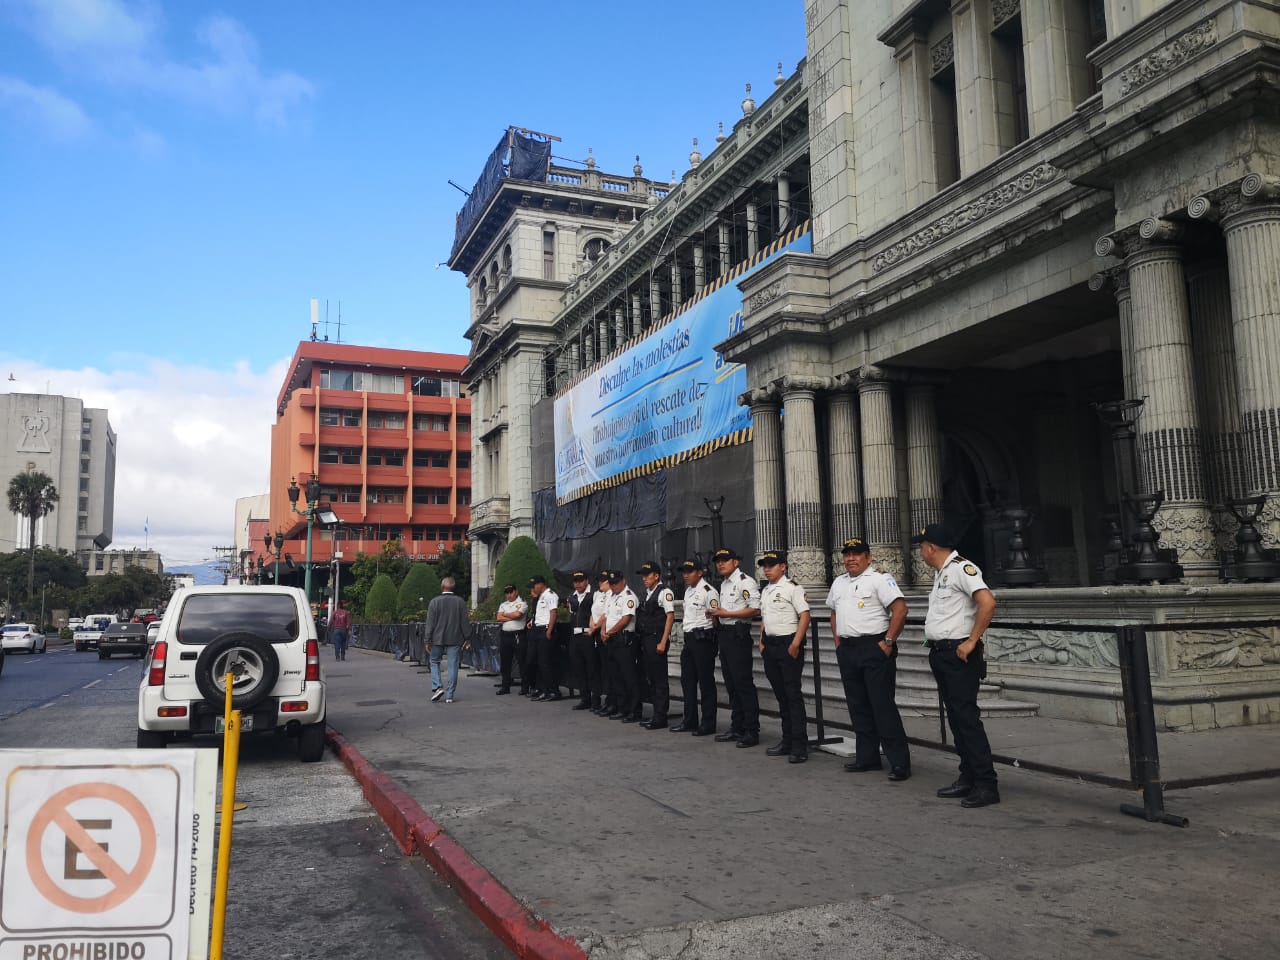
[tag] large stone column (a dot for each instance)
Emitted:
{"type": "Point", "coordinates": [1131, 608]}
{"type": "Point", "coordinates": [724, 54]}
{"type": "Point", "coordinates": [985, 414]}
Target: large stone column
{"type": "Point", "coordinates": [843, 464]}
{"type": "Point", "coordinates": [753, 230]}
{"type": "Point", "coordinates": [677, 295]}
{"type": "Point", "coordinates": [619, 325]}
{"type": "Point", "coordinates": [699, 271]}
{"type": "Point", "coordinates": [655, 300]}
{"type": "Point", "coordinates": [784, 205]}
{"type": "Point", "coordinates": [880, 472]}
{"type": "Point", "coordinates": [1118, 279]}
{"type": "Point", "coordinates": [1252, 228]}
{"type": "Point", "coordinates": [805, 562]}
{"type": "Point", "coordinates": [589, 343]}
{"type": "Point", "coordinates": [766, 451]}
{"type": "Point", "coordinates": [602, 333]}
{"type": "Point", "coordinates": [633, 325]}
{"type": "Point", "coordinates": [725, 254]}
{"type": "Point", "coordinates": [1169, 428]}
{"type": "Point", "coordinates": [924, 467]}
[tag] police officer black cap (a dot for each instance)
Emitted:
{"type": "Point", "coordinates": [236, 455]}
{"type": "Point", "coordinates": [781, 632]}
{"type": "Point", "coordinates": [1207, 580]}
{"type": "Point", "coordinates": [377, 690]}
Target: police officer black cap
{"type": "Point", "coordinates": [603, 575]}
{"type": "Point", "coordinates": [579, 575]}
{"type": "Point", "coordinates": [770, 557]}
{"type": "Point", "coordinates": [691, 566]}
{"type": "Point", "coordinates": [724, 553]}
{"type": "Point", "coordinates": [616, 576]}
{"type": "Point", "coordinates": [939, 534]}
{"type": "Point", "coordinates": [536, 579]}
{"type": "Point", "coordinates": [509, 588]}
{"type": "Point", "coordinates": [649, 567]}
{"type": "Point", "coordinates": [856, 545]}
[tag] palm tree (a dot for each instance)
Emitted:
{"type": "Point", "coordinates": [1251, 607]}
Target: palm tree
{"type": "Point", "coordinates": [32, 495]}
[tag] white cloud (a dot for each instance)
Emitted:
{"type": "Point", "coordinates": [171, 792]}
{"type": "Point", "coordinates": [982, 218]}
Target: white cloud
{"type": "Point", "coordinates": [123, 45]}
{"type": "Point", "coordinates": [190, 441]}
{"type": "Point", "coordinates": [45, 108]}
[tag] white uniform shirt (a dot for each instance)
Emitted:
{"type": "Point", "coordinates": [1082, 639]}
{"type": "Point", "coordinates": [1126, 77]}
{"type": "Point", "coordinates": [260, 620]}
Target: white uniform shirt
{"type": "Point", "coordinates": [697, 601]}
{"type": "Point", "coordinates": [781, 604]}
{"type": "Point", "coordinates": [951, 605]}
{"type": "Point", "coordinates": [621, 605]}
{"type": "Point", "coordinates": [514, 606]}
{"type": "Point", "coordinates": [861, 603]}
{"type": "Point", "coordinates": [599, 605]}
{"type": "Point", "coordinates": [547, 601]}
{"type": "Point", "coordinates": [739, 592]}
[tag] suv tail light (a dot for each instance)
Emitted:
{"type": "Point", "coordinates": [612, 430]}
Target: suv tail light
{"type": "Point", "coordinates": [155, 674]}
{"type": "Point", "coordinates": [313, 660]}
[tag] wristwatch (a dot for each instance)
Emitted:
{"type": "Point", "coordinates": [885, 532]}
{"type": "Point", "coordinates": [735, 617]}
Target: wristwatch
{"type": "Point", "coordinates": [891, 641]}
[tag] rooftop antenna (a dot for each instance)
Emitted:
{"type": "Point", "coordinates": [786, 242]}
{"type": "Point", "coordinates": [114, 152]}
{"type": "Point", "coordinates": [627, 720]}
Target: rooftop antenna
{"type": "Point", "coordinates": [339, 322]}
{"type": "Point", "coordinates": [315, 317]}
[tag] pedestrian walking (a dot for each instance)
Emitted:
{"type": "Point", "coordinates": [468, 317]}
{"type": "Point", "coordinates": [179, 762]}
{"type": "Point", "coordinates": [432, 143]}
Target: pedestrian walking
{"type": "Point", "coordinates": [960, 609]}
{"type": "Point", "coordinates": [513, 614]}
{"type": "Point", "coordinates": [784, 623]}
{"type": "Point", "coordinates": [546, 609]}
{"type": "Point", "coordinates": [657, 615]}
{"type": "Point", "coordinates": [447, 629]}
{"type": "Point", "coordinates": [582, 646]}
{"type": "Point", "coordinates": [739, 605]}
{"type": "Point", "coordinates": [868, 612]}
{"type": "Point", "coordinates": [340, 630]}
{"type": "Point", "coordinates": [698, 656]}
{"type": "Point", "coordinates": [620, 635]}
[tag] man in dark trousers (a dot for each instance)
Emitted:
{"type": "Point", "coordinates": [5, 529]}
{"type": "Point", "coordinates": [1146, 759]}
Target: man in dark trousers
{"type": "Point", "coordinates": [513, 614]}
{"type": "Point", "coordinates": [543, 634]}
{"type": "Point", "coordinates": [653, 625]}
{"type": "Point", "coordinates": [698, 658]}
{"type": "Point", "coordinates": [582, 646]}
{"type": "Point", "coordinates": [739, 605]}
{"type": "Point", "coordinates": [619, 635]}
{"type": "Point", "coordinates": [599, 607]}
{"type": "Point", "coordinates": [448, 628]}
{"type": "Point", "coordinates": [960, 609]}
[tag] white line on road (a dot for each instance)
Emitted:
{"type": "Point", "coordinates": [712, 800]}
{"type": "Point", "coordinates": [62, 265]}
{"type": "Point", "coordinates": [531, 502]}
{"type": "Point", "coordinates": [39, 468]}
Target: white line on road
{"type": "Point", "coordinates": [46, 706]}
{"type": "Point", "coordinates": [93, 683]}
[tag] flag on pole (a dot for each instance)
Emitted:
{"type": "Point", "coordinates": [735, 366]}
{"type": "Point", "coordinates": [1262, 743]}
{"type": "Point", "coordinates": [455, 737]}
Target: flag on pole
{"type": "Point", "coordinates": [146, 525]}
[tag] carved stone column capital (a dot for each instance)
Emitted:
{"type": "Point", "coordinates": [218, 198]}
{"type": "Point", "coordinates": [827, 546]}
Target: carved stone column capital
{"type": "Point", "coordinates": [844, 382]}
{"type": "Point", "coordinates": [800, 384]}
{"type": "Point", "coordinates": [1114, 278]}
{"type": "Point", "coordinates": [1157, 230]}
{"type": "Point", "coordinates": [870, 374]}
{"type": "Point", "coordinates": [1116, 244]}
{"type": "Point", "coordinates": [766, 396]}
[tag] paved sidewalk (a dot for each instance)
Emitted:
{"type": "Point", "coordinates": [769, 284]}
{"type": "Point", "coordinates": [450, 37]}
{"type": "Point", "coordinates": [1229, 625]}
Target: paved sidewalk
{"type": "Point", "coordinates": [650, 844]}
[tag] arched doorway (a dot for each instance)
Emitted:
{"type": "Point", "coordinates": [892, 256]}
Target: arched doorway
{"type": "Point", "coordinates": [978, 478]}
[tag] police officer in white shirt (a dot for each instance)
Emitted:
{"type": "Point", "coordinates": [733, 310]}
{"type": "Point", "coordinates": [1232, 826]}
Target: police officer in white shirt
{"type": "Point", "coordinates": [698, 658]}
{"type": "Point", "coordinates": [960, 609]}
{"type": "Point", "coordinates": [655, 617]}
{"type": "Point", "coordinates": [599, 606]}
{"type": "Point", "coordinates": [868, 613]}
{"type": "Point", "coordinates": [582, 646]}
{"type": "Point", "coordinates": [739, 605]}
{"type": "Point", "coordinates": [784, 621]}
{"type": "Point", "coordinates": [544, 635]}
{"type": "Point", "coordinates": [620, 635]}
{"type": "Point", "coordinates": [513, 614]}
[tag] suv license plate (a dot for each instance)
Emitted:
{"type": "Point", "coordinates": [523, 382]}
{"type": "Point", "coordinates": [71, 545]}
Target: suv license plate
{"type": "Point", "coordinates": [246, 724]}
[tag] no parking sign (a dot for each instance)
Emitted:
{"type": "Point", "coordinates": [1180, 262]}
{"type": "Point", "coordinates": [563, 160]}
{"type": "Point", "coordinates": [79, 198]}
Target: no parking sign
{"type": "Point", "coordinates": [106, 854]}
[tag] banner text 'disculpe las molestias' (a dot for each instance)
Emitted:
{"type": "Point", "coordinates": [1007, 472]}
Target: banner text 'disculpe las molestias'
{"type": "Point", "coordinates": [667, 397]}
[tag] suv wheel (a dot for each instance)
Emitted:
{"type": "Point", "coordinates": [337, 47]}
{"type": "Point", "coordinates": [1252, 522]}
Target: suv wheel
{"type": "Point", "coordinates": [311, 742]}
{"type": "Point", "coordinates": [250, 658]}
{"type": "Point", "coordinates": [151, 739]}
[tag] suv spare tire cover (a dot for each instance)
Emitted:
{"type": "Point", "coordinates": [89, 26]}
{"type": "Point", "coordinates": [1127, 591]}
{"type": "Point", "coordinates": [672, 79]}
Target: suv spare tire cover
{"type": "Point", "coordinates": [246, 652]}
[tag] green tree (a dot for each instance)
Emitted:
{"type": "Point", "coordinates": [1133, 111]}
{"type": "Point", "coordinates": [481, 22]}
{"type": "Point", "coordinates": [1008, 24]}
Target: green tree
{"type": "Point", "coordinates": [420, 587]}
{"type": "Point", "coordinates": [521, 560]}
{"type": "Point", "coordinates": [380, 605]}
{"type": "Point", "coordinates": [456, 563]}
{"type": "Point", "coordinates": [32, 495]}
{"type": "Point", "coordinates": [367, 567]}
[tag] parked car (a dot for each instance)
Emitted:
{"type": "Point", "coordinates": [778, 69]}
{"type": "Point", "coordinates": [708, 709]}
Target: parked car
{"type": "Point", "coordinates": [153, 631]}
{"type": "Point", "coordinates": [264, 637]}
{"type": "Point", "coordinates": [123, 638]}
{"type": "Point", "coordinates": [74, 623]}
{"type": "Point", "coordinates": [88, 633]}
{"type": "Point", "coordinates": [145, 615]}
{"type": "Point", "coordinates": [22, 636]}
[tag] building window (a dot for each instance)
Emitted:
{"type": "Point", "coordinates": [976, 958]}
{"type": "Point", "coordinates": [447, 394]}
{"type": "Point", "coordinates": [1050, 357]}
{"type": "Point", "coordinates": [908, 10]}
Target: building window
{"type": "Point", "coordinates": [548, 255]}
{"type": "Point", "coordinates": [1010, 74]}
{"type": "Point", "coordinates": [431, 495]}
{"type": "Point", "coordinates": [464, 460]}
{"type": "Point", "coordinates": [464, 498]}
{"type": "Point", "coordinates": [386, 421]}
{"type": "Point", "coordinates": [430, 421]}
{"type": "Point", "coordinates": [84, 447]}
{"type": "Point", "coordinates": [426, 386]}
{"type": "Point", "coordinates": [349, 494]}
{"type": "Point", "coordinates": [464, 424]}
{"type": "Point", "coordinates": [595, 249]}
{"type": "Point", "coordinates": [84, 466]}
{"type": "Point", "coordinates": [98, 562]}
{"type": "Point", "coordinates": [385, 495]}
{"type": "Point", "coordinates": [336, 379]}
{"type": "Point", "coordinates": [84, 484]}
{"type": "Point", "coordinates": [379, 382]}
{"type": "Point", "coordinates": [350, 455]}
{"type": "Point", "coordinates": [330, 416]}
{"type": "Point", "coordinates": [946, 129]}
{"type": "Point", "coordinates": [385, 458]}
{"type": "Point", "coordinates": [82, 525]}
{"type": "Point", "coordinates": [329, 455]}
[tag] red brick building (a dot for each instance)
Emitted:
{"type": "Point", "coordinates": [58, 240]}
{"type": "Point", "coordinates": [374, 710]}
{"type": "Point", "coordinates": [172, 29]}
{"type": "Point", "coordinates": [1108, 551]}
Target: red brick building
{"type": "Point", "coordinates": [388, 435]}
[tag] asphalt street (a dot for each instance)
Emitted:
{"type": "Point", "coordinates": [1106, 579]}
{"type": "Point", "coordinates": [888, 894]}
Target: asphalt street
{"type": "Point", "coordinates": [314, 872]}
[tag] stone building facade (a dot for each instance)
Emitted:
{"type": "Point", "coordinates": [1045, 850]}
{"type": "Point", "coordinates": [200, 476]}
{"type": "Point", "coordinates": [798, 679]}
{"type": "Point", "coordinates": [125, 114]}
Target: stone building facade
{"type": "Point", "coordinates": [1020, 209]}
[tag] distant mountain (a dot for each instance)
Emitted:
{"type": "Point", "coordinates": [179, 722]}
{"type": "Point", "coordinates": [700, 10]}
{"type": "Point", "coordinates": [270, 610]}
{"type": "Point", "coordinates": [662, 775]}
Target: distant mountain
{"type": "Point", "coordinates": [205, 573]}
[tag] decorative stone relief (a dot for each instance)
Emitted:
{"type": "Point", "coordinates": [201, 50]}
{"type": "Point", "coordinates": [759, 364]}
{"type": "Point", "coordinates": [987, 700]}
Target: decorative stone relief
{"type": "Point", "coordinates": [806, 565]}
{"type": "Point", "coordinates": [1243, 647]}
{"type": "Point", "coordinates": [1169, 57]}
{"type": "Point", "coordinates": [764, 297]}
{"type": "Point", "coordinates": [984, 206]}
{"type": "Point", "coordinates": [1189, 531]}
{"type": "Point", "coordinates": [35, 434]}
{"type": "Point", "coordinates": [942, 54]}
{"type": "Point", "coordinates": [1002, 10]}
{"type": "Point", "coordinates": [1058, 647]}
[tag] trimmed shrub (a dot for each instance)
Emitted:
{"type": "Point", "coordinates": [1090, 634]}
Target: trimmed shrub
{"type": "Point", "coordinates": [420, 587]}
{"type": "Point", "coordinates": [380, 604]}
{"type": "Point", "coordinates": [521, 560]}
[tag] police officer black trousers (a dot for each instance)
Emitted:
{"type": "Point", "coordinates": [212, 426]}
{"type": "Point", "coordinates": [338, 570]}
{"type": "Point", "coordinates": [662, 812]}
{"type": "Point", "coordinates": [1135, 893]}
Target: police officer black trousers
{"type": "Point", "coordinates": [608, 693]}
{"type": "Point", "coordinates": [958, 683]}
{"type": "Point", "coordinates": [527, 655]}
{"type": "Point", "coordinates": [869, 689]}
{"type": "Point", "coordinates": [735, 663]}
{"type": "Point", "coordinates": [622, 654]}
{"type": "Point", "coordinates": [655, 668]}
{"type": "Point", "coordinates": [510, 647]}
{"type": "Point", "coordinates": [548, 679]}
{"type": "Point", "coordinates": [586, 666]}
{"type": "Point", "coordinates": [784, 672]}
{"type": "Point", "coordinates": [698, 678]}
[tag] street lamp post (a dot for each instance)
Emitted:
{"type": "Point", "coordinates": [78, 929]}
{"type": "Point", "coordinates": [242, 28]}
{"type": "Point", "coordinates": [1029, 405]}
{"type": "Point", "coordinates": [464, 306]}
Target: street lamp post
{"type": "Point", "coordinates": [279, 545]}
{"type": "Point", "coordinates": [311, 513]}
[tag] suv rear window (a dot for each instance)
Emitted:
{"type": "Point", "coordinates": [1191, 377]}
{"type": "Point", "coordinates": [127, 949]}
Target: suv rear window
{"type": "Point", "coordinates": [125, 629]}
{"type": "Point", "coordinates": [273, 617]}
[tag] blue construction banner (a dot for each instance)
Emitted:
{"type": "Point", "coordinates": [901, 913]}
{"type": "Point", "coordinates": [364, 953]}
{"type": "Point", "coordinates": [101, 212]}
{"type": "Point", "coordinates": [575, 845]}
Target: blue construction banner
{"type": "Point", "coordinates": [663, 398]}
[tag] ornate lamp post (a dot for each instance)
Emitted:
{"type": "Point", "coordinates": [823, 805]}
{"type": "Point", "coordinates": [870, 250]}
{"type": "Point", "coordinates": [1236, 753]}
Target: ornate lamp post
{"type": "Point", "coordinates": [267, 542]}
{"type": "Point", "coordinates": [311, 513]}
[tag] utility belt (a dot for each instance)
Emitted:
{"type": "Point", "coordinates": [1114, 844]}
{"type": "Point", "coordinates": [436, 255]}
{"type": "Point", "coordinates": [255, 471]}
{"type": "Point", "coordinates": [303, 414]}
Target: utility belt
{"type": "Point", "coordinates": [579, 631]}
{"type": "Point", "coordinates": [863, 638]}
{"type": "Point", "coordinates": [945, 645]}
{"type": "Point", "coordinates": [700, 633]}
{"type": "Point", "coordinates": [779, 639]}
{"type": "Point", "coordinates": [625, 639]}
{"type": "Point", "coordinates": [741, 626]}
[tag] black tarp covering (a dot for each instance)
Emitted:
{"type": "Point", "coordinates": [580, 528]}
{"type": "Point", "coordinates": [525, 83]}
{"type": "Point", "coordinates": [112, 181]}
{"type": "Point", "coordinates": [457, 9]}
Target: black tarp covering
{"type": "Point", "coordinates": [516, 156]}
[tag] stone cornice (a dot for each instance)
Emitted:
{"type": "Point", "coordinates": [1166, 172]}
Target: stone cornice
{"type": "Point", "coordinates": [1168, 58]}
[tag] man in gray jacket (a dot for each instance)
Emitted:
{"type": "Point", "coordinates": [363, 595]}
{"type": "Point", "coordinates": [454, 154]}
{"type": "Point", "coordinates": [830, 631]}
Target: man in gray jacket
{"type": "Point", "coordinates": [447, 629]}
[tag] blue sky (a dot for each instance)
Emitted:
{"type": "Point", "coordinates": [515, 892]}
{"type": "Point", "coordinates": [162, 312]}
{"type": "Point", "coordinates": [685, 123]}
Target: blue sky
{"type": "Point", "coordinates": [177, 180]}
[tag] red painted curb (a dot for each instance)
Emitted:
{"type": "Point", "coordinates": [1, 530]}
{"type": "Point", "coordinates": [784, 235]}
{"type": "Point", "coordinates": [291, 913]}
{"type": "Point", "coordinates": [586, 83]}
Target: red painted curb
{"type": "Point", "coordinates": [531, 937]}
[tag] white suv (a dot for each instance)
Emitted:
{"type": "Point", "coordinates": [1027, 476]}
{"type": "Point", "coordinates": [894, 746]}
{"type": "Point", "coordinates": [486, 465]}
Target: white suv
{"type": "Point", "coordinates": [265, 637]}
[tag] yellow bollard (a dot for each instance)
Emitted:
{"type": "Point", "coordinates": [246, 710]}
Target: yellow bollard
{"type": "Point", "coordinates": [230, 761]}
